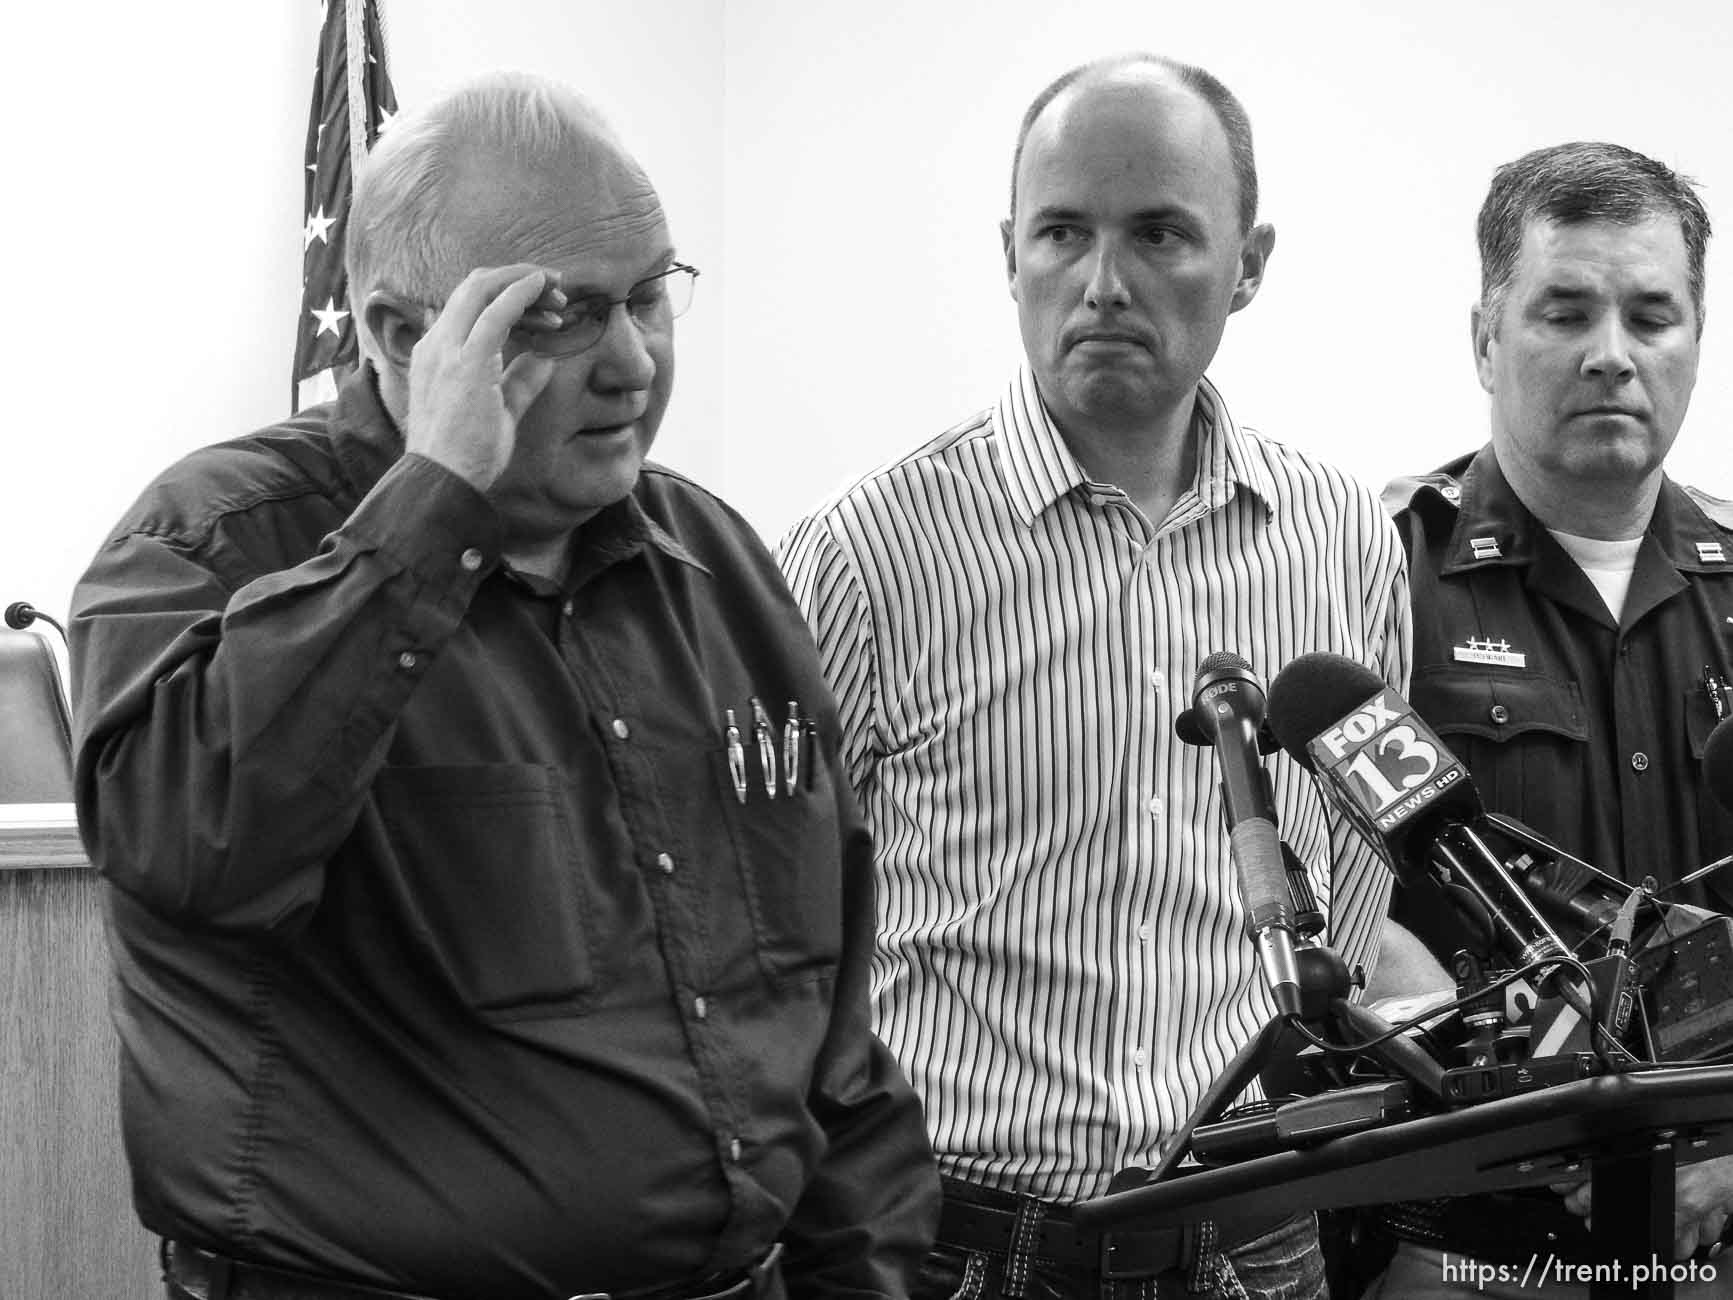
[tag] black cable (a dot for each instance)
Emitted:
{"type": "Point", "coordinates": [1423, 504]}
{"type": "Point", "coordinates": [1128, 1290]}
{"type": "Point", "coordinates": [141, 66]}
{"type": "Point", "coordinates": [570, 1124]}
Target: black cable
{"type": "Point", "coordinates": [1443, 1009]}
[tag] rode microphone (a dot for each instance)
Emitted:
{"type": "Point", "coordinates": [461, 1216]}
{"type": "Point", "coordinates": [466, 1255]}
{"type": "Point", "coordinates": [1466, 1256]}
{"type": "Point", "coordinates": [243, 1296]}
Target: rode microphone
{"type": "Point", "coordinates": [1227, 710]}
{"type": "Point", "coordinates": [1398, 783]}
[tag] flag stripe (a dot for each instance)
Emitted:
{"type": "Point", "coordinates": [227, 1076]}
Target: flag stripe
{"type": "Point", "coordinates": [350, 99]}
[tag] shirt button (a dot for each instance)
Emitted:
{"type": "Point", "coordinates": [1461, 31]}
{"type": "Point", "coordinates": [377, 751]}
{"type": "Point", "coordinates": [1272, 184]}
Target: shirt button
{"type": "Point", "coordinates": [1140, 1058]}
{"type": "Point", "coordinates": [1640, 761]}
{"type": "Point", "coordinates": [621, 729]}
{"type": "Point", "coordinates": [1143, 932]}
{"type": "Point", "coordinates": [1155, 807]}
{"type": "Point", "coordinates": [406, 660]}
{"type": "Point", "coordinates": [666, 863]}
{"type": "Point", "coordinates": [734, 1150]}
{"type": "Point", "coordinates": [470, 560]}
{"type": "Point", "coordinates": [1158, 679]}
{"type": "Point", "coordinates": [1499, 714]}
{"type": "Point", "coordinates": [566, 609]}
{"type": "Point", "coordinates": [700, 1008]}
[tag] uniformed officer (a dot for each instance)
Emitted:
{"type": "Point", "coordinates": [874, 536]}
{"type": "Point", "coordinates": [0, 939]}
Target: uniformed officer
{"type": "Point", "coordinates": [1573, 606]}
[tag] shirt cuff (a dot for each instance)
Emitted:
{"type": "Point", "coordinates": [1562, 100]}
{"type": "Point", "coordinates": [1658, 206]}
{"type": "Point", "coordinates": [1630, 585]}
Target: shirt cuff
{"type": "Point", "coordinates": [431, 522]}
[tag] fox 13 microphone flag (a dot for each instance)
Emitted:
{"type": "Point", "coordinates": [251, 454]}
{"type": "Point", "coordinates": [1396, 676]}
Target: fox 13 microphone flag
{"type": "Point", "coordinates": [352, 103]}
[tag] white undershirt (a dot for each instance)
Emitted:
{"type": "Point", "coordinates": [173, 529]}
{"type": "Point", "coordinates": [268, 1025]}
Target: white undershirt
{"type": "Point", "coordinates": [1608, 564]}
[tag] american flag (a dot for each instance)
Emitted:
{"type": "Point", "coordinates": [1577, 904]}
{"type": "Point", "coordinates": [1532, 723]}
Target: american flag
{"type": "Point", "coordinates": [352, 103]}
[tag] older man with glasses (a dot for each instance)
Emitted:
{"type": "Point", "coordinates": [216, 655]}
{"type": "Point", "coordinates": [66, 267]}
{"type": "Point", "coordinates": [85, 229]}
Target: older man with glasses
{"type": "Point", "coordinates": [489, 916]}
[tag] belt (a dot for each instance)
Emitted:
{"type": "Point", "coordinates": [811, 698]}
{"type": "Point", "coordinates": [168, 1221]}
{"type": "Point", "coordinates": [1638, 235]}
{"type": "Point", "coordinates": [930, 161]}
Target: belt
{"type": "Point", "coordinates": [1500, 1227]}
{"type": "Point", "coordinates": [215, 1277]}
{"type": "Point", "coordinates": [985, 1218]}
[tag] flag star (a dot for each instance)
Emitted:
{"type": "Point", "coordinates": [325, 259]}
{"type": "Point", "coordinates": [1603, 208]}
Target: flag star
{"type": "Point", "coordinates": [318, 227]}
{"type": "Point", "coordinates": [329, 319]}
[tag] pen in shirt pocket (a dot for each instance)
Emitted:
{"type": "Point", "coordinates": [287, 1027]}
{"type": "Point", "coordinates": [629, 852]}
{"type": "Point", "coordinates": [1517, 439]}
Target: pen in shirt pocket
{"type": "Point", "coordinates": [791, 748]}
{"type": "Point", "coordinates": [736, 756]}
{"type": "Point", "coordinates": [1716, 690]}
{"type": "Point", "coordinates": [762, 729]}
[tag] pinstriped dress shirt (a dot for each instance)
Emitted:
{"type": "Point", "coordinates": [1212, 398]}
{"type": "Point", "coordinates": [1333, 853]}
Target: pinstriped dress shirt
{"type": "Point", "coordinates": [1061, 964]}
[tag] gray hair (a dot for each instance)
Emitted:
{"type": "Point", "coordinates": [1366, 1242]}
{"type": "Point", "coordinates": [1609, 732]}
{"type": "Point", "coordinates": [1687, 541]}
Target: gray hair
{"type": "Point", "coordinates": [1222, 101]}
{"type": "Point", "coordinates": [1577, 182]}
{"type": "Point", "coordinates": [397, 237]}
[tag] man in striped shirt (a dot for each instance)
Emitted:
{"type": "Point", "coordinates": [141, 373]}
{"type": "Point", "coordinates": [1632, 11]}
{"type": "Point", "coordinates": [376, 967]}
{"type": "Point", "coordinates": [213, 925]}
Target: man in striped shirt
{"type": "Point", "coordinates": [1011, 616]}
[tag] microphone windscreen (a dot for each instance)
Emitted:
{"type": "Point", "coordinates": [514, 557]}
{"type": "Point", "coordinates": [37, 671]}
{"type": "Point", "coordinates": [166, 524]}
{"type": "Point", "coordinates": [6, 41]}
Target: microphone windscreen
{"type": "Point", "coordinates": [1222, 660]}
{"type": "Point", "coordinates": [1313, 693]}
{"type": "Point", "coordinates": [1718, 763]}
{"type": "Point", "coordinates": [1186, 728]}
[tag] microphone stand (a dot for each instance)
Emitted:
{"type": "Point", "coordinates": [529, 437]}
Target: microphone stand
{"type": "Point", "coordinates": [1627, 1131]}
{"type": "Point", "coordinates": [1325, 1008]}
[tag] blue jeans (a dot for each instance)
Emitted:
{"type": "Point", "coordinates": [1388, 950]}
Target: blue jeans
{"type": "Point", "coordinates": [1283, 1264]}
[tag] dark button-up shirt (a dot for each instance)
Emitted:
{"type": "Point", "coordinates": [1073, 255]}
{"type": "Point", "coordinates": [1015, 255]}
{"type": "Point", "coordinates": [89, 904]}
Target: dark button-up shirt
{"type": "Point", "coordinates": [452, 955]}
{"type": "Point", "coordinates": [1589, 729]}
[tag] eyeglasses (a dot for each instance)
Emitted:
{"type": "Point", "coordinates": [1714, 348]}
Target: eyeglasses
{"type": "Point", "coordinates": [653, 301]}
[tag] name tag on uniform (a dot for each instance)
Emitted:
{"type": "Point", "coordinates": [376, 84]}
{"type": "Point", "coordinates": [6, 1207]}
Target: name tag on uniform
{"type": "Point", "coordinates": [1497, 653]}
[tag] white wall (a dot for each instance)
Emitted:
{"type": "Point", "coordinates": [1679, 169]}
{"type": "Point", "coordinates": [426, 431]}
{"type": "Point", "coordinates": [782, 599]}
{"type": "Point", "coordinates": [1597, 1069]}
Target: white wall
{"type": "Point", "coordinates": [152, 216]}
{"type": "Point", "coordinates": [838, 171]}
{"type": "Point", "coordinates": [869, 167]}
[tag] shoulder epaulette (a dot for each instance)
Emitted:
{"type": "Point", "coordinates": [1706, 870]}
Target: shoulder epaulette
{"type": "Point", "coordinates": [1720, 512]}
{"type": "Point", "coordinates": [1401, 493]}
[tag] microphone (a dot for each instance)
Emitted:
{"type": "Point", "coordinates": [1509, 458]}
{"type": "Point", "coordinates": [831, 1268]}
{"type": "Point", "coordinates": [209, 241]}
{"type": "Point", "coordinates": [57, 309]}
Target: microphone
{"type": "Point", "coordinates": [1227, 709]}
{"type": "Point", "coordinates": [1402, 787]}
{"type": "Point", "coordinates": [20, 614]}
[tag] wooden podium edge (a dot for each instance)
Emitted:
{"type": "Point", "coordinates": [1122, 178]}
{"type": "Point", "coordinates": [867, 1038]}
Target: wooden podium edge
{"type": "Point", "coordinates": [49, 841]}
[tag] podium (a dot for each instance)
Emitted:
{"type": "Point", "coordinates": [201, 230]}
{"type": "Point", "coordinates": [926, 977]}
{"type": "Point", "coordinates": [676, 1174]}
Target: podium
{"type": "Point", "coordinates": [1626, 1131]}
{"type": "Point", "coordinates": [67, 1226]}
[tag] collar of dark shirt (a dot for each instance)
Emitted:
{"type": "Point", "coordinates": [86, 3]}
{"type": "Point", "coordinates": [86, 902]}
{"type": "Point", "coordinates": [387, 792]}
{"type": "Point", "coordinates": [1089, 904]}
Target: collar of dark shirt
{"type": "Point", "coordinates": [1488, 507]}
{"type": "Point", "coordinates": [367, 443]}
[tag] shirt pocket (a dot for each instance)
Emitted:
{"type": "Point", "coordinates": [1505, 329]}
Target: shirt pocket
{"type": "Point", "coordinates": [1714, 819]}
{"type": "Point", "coordinates": [492, 882]}
{"type": "Point", "coordinates": [1524, 739]}
{"type": "Point", "coordinates": [789, 853]}
{"type": "Point", "coordinates": [1700, 719]}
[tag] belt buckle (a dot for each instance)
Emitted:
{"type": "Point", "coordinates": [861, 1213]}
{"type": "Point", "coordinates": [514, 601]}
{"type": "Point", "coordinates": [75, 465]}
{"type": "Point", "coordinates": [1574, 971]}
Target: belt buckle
{"type": "Point", "coordinates": [753, 1283]}
{"type": "Point", "coordinates": [1126, 1256]}
{"type": "Point", "coordinates": [755, 1275]}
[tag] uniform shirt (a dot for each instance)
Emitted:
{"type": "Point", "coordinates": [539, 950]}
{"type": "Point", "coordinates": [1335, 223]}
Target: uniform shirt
{"type": "Point", "coordinates": [1586, 728]}
{"type": "Point", "coordinates": [449, 957]}
{"type": "Point", "coordinates": [1062, 966]}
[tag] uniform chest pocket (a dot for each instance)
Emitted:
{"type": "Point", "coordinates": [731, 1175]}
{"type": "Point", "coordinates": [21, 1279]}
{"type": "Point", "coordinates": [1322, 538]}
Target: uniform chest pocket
{"type": "Point", "coordinates": [1714, 818]}
{"type": "Point", "coordinates": [1464, 702]}
{"type": "Point", "coordinates": [789, 852]}
{"type": "Point", "coordinates": [1524, 739]}
{"type": "Point", "coordinates": [490, 883]}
